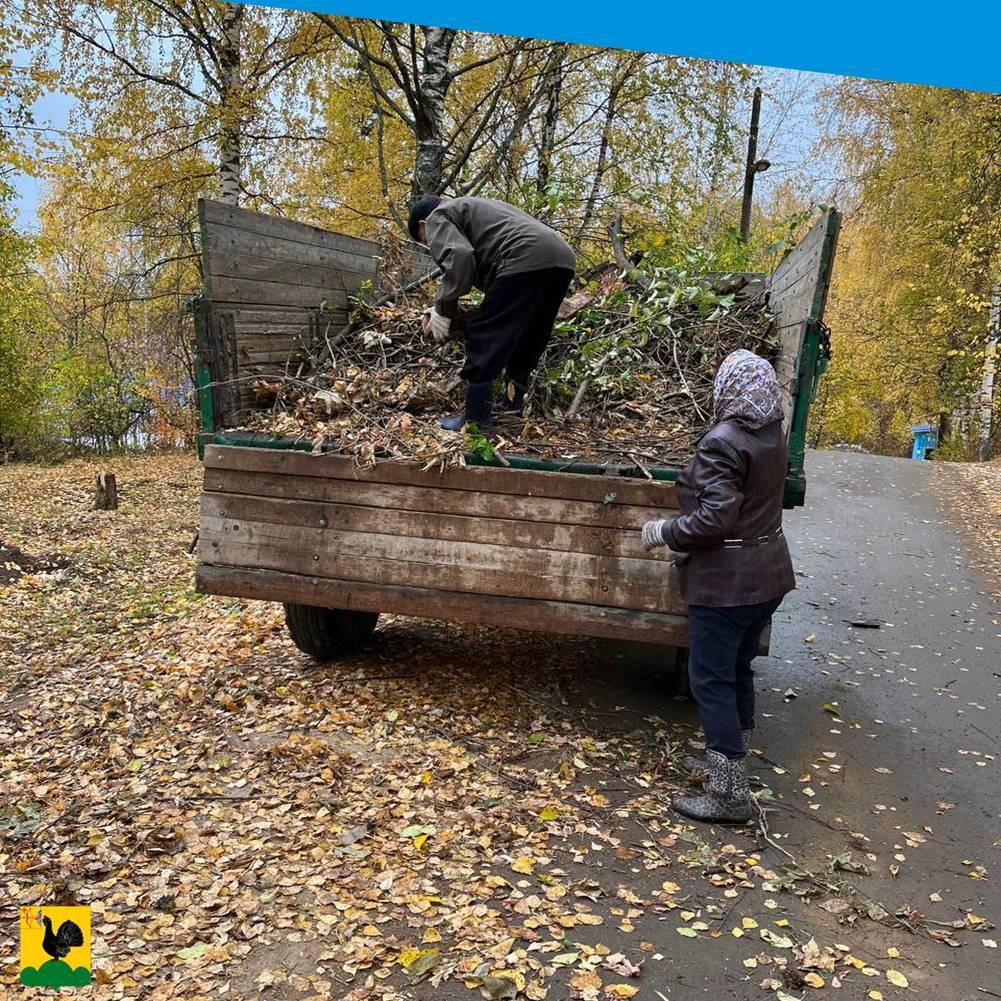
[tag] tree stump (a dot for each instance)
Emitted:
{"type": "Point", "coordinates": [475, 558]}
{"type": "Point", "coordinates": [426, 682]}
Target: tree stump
{"type": "Point", "coordinates": [106, 495]}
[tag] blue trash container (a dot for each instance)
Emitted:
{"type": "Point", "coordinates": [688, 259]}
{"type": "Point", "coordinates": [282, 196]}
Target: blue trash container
{"type": "Point", "coordinates": [925, 439]}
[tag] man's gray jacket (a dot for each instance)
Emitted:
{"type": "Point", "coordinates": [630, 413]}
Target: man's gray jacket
{"type": "Point", "coordinates": [475, 241]}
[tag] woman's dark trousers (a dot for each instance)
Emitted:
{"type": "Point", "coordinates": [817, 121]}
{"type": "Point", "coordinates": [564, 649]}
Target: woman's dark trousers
{"type": "Point", "coordinates": [722, 642]}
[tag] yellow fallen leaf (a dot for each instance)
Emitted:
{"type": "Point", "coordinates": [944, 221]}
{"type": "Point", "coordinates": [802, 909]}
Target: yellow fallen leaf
{"type": "Point", "coordinates": [897, 978]}
{"type": "Point", "coordinates": [419, 841]}
{"type": "Point", "coordinates": [687, 915]}
{"type": "Point", "coordinates": [513, 975]}
{"type": "Point", "coordinates": [875, 996]}
{"type": "Point", "coordinates": [670, 887]}
{"type": "Point", "coordinates": [782, 922]}
{"type": "Point", "coordinates": [893, 952]}
{"type": "Point", "coordinates": [814, 980]}
{"type": "Point", "coordinates": [431, 935]}
{"type": "Point", "coordinates": [748, 923]}
{"type": "Point", "coordinates": [585, 982]}
{"type": "Point", "coordinates": [525, 864]}
{"type": "Point", "coordinates": [621, 991]}
{"type": "Point", "coordinates": [549, 813]}
{"type": "Point", "coordinates": [737, 932]}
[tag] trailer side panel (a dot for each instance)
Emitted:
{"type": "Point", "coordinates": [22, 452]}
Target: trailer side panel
{"type": "Point", "coordinates": [474, 544]}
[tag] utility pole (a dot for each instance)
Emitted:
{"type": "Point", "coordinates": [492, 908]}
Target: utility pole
{"type": "Point", "coordinates": [754, 166]}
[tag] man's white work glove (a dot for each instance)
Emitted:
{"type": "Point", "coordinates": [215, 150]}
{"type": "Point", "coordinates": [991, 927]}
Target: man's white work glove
{"type": "Point", "coordinates": [438, 326]}
{"type": "Point", "coordinates": [653, 534]}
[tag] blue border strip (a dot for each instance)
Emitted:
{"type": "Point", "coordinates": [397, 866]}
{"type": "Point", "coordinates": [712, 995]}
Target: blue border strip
{"type": "Point", "coordinates": [954, 45]}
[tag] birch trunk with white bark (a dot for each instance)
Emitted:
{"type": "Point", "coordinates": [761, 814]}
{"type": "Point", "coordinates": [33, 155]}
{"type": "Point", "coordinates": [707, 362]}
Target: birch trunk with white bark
{"type": "Point", "coordinates": [429, 119]}
{"type": "Point", "coordinates": [987, 385]}
{"type": "Point", "coordinates": [230, 105]}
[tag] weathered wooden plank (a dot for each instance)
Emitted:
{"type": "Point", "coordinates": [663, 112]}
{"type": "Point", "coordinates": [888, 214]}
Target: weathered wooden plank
{"type": "Point", "coordinates": [225, 290]}
{"type": "Point", "coordinates": [218, 214]}
{"type": "Point", "coordinates": [287, 273]}
{"type": "Point", "coordinates": [257, 356]}
{"type": "Point", "coordinates": [282, 337]}
{"type": "Point", "coordinates": [451, 566]}
{"type": "Point", "coordinates": [263, 315]}
{"type": "Point", "coordinates": [798, 287]}
{"type": "Point", "coordinates": [220, 355]}
{"type": "Point", "coordinates": [485, 610]}
{"type": "Point", "coordinates": [569, 565]}
{"type": "Point", "coordinates": [431, 500]}
{"type": "Point", "coordinates": [515, 533]}
{"type": "Point", "coordinates": [606, 490]}
{"type": "Point", "coordinates": [229, 245]}
{"type": "Point", "coordinates": [793, 265]}
{"type": "Point", "coordinates": [797, 294]}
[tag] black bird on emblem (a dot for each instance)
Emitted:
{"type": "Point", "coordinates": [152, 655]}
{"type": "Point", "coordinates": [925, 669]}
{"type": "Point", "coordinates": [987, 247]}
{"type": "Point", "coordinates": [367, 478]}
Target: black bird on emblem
{"type": "Point", "coordinates": [59, 944]}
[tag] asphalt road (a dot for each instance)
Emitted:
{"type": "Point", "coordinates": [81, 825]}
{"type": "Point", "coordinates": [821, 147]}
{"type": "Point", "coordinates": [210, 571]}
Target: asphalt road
{"type": "Point", "coordinates": [920, 697]}
{"type": "Point", "coordinates": [869, 735]}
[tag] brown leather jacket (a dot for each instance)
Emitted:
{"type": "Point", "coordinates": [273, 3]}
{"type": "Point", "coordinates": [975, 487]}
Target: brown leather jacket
{"type": "Point", "coordinates": [731, 518]}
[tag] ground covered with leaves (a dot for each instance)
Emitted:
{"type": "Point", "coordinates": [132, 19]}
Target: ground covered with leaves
{"type": "Point", "coordinates": [453, 812]}
{"type": "Point", "coordinates": [979, 504]}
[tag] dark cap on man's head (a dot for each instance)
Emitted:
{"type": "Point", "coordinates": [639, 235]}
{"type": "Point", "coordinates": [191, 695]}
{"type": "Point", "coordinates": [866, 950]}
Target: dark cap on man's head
{"type": "Point", "coordinates": [419, 211]}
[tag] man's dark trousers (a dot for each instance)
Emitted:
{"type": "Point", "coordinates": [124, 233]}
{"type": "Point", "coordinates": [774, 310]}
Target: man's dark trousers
{"type": "Point", "coordinates": [722, 642]}
{"type": "Point", "coordinates": [513, 324]}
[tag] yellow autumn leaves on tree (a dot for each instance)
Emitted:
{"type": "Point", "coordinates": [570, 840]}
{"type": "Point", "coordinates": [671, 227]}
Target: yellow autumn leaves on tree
{"type": "Point", "coordinates": [920, 256]}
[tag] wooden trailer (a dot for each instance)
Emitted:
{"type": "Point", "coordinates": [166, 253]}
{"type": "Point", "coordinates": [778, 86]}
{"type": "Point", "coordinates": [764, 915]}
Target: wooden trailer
{"type": "Point", "coordinates": [533, 546]}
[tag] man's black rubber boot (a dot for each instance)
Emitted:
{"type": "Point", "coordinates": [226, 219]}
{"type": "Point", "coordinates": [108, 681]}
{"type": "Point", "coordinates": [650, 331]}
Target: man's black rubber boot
{"type": "Point", "coordinates": [479, 408]}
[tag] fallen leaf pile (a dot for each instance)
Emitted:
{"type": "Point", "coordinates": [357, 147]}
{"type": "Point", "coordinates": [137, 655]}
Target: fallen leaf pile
{"type": "Point", "coordinates": [979, 504]}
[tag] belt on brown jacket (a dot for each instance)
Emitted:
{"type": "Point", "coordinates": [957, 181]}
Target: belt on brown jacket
{"type": "Point", "coordinates": [761, 540]}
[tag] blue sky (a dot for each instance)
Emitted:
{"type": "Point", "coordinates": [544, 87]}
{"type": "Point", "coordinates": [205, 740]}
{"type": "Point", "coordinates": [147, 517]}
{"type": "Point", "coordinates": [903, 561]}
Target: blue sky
{"type": "Point", "coordinates": [51, 112]}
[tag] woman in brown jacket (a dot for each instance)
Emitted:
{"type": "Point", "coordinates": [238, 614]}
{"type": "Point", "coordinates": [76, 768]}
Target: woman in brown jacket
{"type": "Point", "coordinates": [734, 570]}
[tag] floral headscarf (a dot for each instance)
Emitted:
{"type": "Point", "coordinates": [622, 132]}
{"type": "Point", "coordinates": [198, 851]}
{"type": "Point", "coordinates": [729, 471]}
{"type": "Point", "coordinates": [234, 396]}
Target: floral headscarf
{"type": "Point", "coordinates": [747, 389]}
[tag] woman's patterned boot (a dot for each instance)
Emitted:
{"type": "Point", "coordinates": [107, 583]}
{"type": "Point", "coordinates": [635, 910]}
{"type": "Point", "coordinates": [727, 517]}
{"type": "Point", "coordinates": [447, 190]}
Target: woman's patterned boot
{"type": "Point", "coordinates": [700, 765]}
{"type": "Point", "coordinates": [727, 799]}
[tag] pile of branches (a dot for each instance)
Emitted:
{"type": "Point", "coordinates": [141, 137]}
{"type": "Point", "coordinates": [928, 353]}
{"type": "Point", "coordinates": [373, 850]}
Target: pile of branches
{"type": "Point", "coordinates": [626, 380]}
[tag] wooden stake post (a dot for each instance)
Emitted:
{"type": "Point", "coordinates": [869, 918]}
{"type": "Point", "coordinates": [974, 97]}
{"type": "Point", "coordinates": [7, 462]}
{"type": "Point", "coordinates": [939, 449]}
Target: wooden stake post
{"type": "Point", "coordinates": [106, 494]}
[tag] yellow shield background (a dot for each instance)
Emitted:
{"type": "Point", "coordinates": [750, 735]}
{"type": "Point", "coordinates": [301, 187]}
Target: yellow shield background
{"type": "Point", "coordinates": [33, 956]}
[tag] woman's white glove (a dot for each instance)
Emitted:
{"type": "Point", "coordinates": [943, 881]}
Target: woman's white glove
{"type": "Point", "coordinates": [653, 533]}
{"type": "Point", "coordinates": [438, 326]}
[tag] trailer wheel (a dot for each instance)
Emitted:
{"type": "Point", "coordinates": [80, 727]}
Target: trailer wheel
{"type": "Point", "coordinates": [328, 633]}
{"type": "Point", "coordinates": [682, 685]}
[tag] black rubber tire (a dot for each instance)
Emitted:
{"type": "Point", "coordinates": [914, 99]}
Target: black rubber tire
{"type": "Point", "coordinates": [682, 685]}
{"type": "Point", "coordinates": [328, 633]}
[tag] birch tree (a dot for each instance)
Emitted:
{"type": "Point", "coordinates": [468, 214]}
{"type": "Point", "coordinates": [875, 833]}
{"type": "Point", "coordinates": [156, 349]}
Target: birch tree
{"type": "Point", "coordinates": [416, 78]}
{"type": "Point", "coordinates": [210, 74]}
